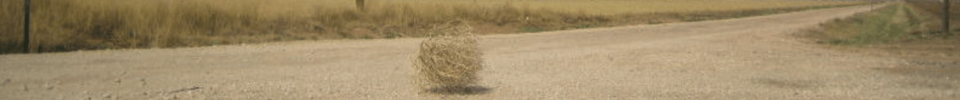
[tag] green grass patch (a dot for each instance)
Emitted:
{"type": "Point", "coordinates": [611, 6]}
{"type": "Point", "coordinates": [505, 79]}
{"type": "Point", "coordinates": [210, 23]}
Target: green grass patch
{"type": "Point", "coordinates": [889, 24]}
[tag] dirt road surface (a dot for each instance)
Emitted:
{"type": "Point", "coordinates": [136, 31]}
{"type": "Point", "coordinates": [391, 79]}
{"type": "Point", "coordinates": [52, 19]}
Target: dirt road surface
{"type": "Point", "coordinates": [736, 59]}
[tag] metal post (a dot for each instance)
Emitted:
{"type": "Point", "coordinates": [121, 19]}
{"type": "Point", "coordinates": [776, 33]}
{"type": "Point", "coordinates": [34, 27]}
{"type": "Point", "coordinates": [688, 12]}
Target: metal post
{"type": "Point", "coordinates": [26, 26]}
{"type": "Point", "coordinates": [946, 16]}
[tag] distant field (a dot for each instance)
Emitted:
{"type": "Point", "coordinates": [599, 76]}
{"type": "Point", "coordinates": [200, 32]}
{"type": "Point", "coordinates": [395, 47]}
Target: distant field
{"type": "Point", "coordinates": [66, 25]}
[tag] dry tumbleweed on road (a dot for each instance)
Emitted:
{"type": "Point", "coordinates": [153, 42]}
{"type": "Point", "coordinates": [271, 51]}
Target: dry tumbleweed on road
{"type": "Point", "coordinates": [448, 61]}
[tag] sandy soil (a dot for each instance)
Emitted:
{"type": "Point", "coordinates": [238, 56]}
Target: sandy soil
{"type": "Point", "coordinates": [748, 58]}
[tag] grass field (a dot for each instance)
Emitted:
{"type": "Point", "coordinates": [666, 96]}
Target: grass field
{"type": "Point", "coordinates": [66, 25]}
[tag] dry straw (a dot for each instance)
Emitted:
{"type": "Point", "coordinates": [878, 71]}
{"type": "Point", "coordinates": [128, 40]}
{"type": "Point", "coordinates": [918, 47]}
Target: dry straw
{"type": "Point", "coordinates": [449, 60]}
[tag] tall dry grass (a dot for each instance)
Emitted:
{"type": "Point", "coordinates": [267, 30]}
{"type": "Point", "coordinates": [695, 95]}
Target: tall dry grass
{"type": "Point", "coordinates": [65, 25]}
{"type": "Point", "coordinates": [61, 25]}
{"type": "Point", "coordinates": [935, 9]}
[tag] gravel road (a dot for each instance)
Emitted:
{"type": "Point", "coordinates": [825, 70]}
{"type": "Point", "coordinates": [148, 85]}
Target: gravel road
{"type": "Point", "coordinates": [736, 59]}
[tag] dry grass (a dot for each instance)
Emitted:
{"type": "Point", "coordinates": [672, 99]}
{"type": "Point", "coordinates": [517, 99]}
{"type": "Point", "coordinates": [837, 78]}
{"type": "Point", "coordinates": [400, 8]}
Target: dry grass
{"type": "Point", "coordinates": [61, 25]}
{"type": "Point", "coordinates": [449, 60]}
{"type": "Point", "coordinates": [65, 25]}
{"type": "Point", "coordinates": [935, 10]}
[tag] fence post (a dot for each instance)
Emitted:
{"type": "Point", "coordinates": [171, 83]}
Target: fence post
{"type": "Point", "coordinates": [26, 26]}
{"type": "Point", "coordinates": [946, 16]}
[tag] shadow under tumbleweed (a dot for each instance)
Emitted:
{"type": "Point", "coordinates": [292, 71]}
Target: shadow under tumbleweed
{"type": "Point", "coordinates": [459, 90]}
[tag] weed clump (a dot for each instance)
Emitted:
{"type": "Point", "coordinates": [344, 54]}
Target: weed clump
{"type": "Point", "coordinates": [449, 59]}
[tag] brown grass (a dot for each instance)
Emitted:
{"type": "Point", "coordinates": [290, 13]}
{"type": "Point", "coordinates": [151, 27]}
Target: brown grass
{"type": "Point", "coordinates": [66, 25]}
{"type": "Point", "coordinates": [449, 60]}
{"type": "Point", "coordinates": [935, 10]}
{"type": "Point", "coordinates": [61, 25]}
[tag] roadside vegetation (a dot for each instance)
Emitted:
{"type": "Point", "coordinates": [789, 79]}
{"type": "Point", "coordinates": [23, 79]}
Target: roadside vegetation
{"type": "Point", "coordinates": [68, 25]}
{"type": "Point", "coordinates": [889, 24]}
{"type": "Point", "coordinates": [910, 29]}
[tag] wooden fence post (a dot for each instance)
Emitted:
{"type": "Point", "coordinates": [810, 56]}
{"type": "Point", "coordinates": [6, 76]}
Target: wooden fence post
{"type": "Point", "coordinates": [946, 16]}
{"type": "Point", "coordinates": [26, 26]}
